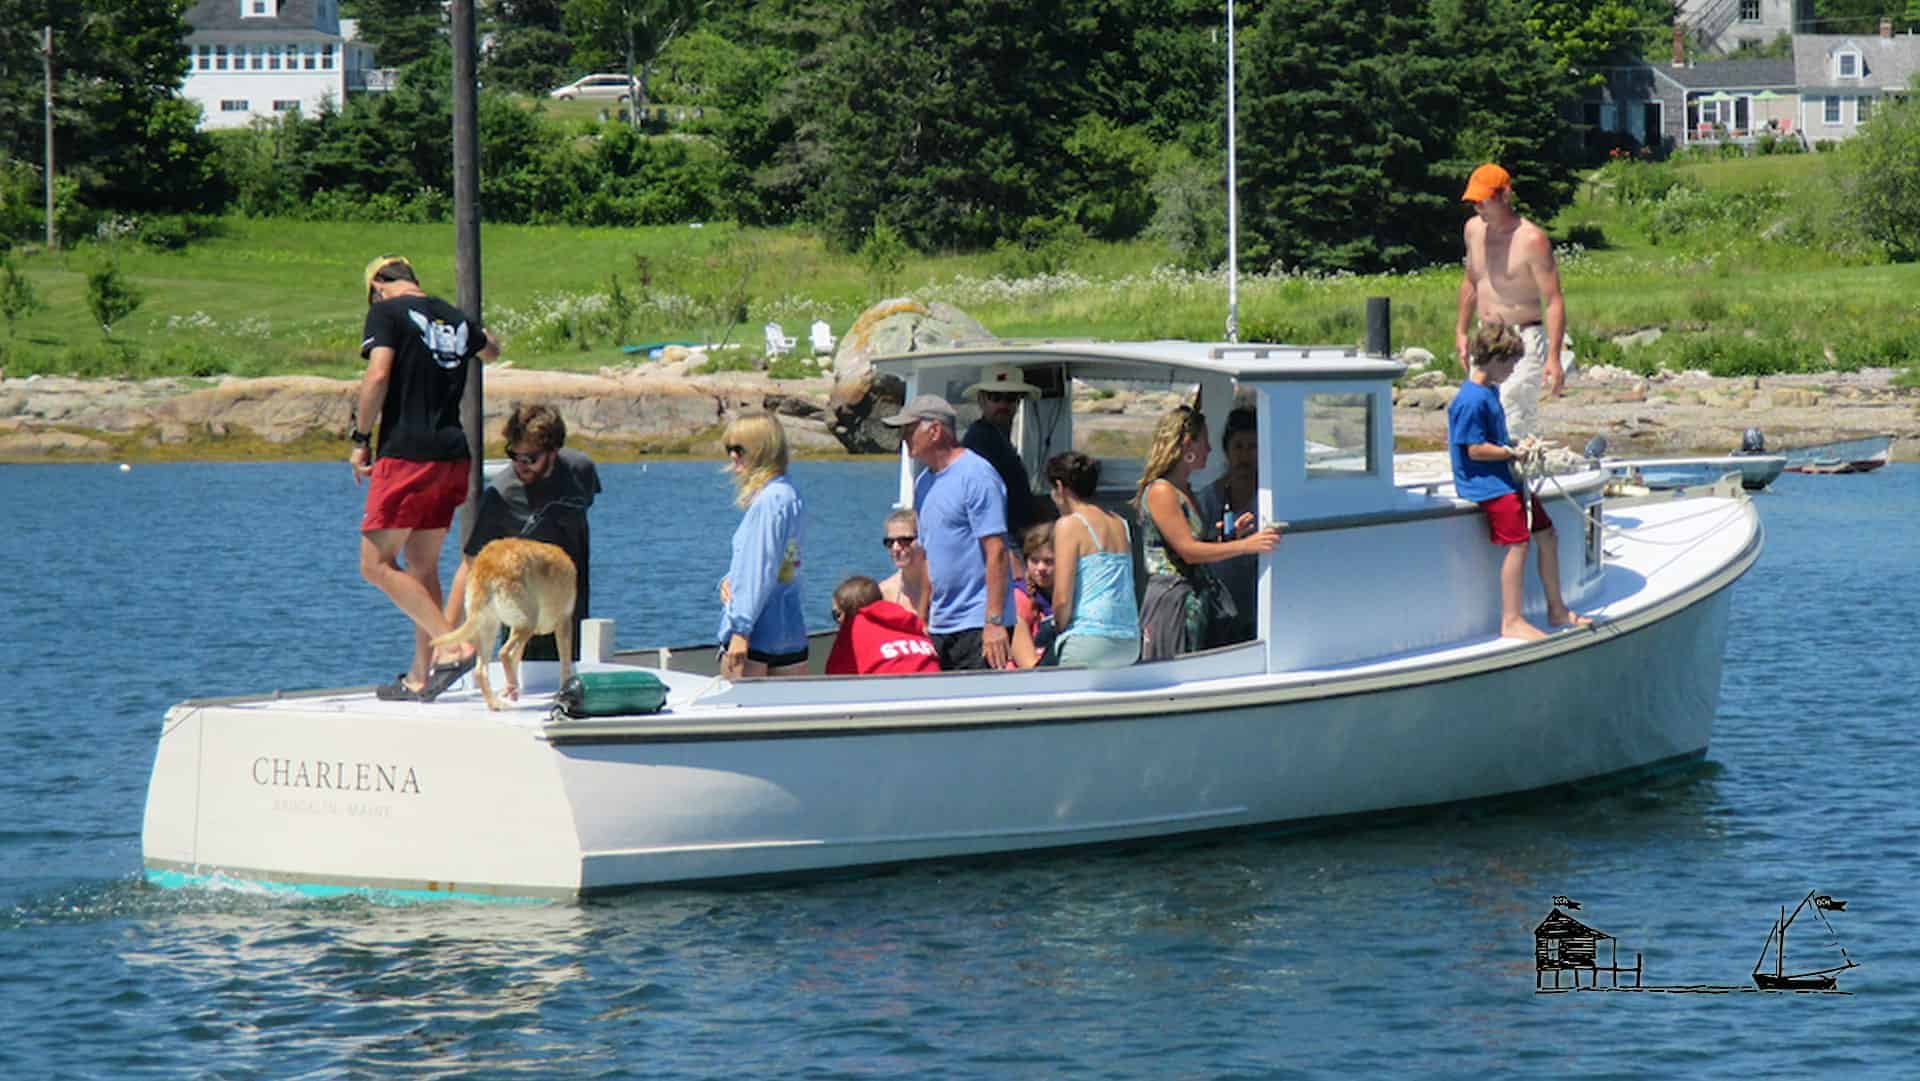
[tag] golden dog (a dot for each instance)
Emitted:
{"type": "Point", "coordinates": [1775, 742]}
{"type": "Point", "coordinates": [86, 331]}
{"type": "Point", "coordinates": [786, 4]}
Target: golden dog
{"type": "Point", "coordinates": [529, 587]}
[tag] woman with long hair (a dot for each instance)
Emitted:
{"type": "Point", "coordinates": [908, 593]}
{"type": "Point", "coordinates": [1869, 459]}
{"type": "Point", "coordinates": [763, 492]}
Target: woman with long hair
{"type": "Point", "coordinates": [762, 628]}
{"type": "Point", "coordinates": [1093, 603]}
{"type": "Point", "coordinates": [1186, 608]}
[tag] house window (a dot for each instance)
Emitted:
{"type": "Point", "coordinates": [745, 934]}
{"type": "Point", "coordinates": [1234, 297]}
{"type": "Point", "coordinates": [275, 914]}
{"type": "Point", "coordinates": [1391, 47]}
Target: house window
{"type": "Point", "coordinates": [1862, 108]}
{"type": "Point", "coordinates": [1749, 11]}
{"type": "Point", "coordinates": [273, 58]}
{"type": "Point", "coordinates": [293, 57]}
{"type": "Point", "coordinates": [306, 57]}
{"type": "Point", "coordinates": [326, 57]}
{"type": "Point", "coordinates": [1847, 65]}
{"type": "Point", "coordinates": [255, 60]}
{"type": "Point", "coordinates": [285, 105]}
{"type": "Point", "coordinates": [219, 58]}
{"type": "Point", "coordinates": [233, 105]}
{"type": "Point", "coordinates": [202, 57]}
{"type": "Point", "coordinates": [1833, 109]}
{"type": "Point", "coordinates": [259, 7]}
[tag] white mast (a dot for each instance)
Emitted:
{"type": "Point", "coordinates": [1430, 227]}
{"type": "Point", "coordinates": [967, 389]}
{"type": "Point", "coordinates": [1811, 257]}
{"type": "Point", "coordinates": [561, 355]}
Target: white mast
{"type": "Point", "coordinates": [1233, 201]}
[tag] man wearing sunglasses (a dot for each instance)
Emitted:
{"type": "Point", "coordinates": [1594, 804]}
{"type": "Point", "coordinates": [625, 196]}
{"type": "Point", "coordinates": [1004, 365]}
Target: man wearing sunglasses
{"type": "Point", "coordinates": [417, 349]}
{"type": "Point", "coordinates": [998, 394]}
{"type": "Point", "coordinates": [543, 494]}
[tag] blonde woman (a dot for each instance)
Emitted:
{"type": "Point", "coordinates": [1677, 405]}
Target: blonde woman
{"type": "Point", "coordinates": [762, 628]}
{"type": "Point", "coordinates": [1186, 608]}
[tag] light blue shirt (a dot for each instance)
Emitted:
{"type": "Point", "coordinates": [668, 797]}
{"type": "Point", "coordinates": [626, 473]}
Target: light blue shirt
{"type": "Point", "coordinates": [958, 506]}
{"type": "Point", "coordinates": [765, 573]}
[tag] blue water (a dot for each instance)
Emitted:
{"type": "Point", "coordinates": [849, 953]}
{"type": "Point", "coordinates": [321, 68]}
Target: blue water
{"type": "Point", "coordinates": [1369, 952]}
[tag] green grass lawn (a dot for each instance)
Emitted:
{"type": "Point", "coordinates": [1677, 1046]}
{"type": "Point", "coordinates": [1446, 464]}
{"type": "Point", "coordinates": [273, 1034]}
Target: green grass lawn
{"type": "Point", "coordinates": [268, 297]}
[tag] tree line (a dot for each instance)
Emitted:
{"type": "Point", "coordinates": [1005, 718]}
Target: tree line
{"type": "Point", "coordinates": [957, 125]}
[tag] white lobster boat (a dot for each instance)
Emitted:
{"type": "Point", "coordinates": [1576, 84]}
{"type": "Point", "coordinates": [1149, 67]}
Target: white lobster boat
{"type": "Point", "coordinates": [1377, 684]}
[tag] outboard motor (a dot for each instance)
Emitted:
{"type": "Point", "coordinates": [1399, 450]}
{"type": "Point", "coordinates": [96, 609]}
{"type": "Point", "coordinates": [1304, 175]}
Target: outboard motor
{"type": "Point", "coordinates": [1596, 448]}
{"type": "Point", "coordinates": [1752, 442]}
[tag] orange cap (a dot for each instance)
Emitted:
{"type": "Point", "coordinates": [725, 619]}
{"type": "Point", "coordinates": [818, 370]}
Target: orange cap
{"type": "Point", "coordinates": [1485, 183]}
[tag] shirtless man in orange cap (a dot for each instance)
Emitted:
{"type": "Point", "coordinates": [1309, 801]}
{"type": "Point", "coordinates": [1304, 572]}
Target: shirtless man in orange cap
{"type": "Point", "coordinates": [1511, 278]}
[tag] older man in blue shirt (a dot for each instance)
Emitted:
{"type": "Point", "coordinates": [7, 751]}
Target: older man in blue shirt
{"type": "Point", "coordinates": [962, 505]}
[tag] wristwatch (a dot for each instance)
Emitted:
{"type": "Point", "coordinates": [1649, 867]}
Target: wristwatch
{"type": "Point", "coordinates": [361, 439]}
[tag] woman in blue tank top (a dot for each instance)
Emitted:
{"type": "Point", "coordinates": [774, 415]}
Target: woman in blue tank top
{"type": "Point", "coordinates": [1093, 601]}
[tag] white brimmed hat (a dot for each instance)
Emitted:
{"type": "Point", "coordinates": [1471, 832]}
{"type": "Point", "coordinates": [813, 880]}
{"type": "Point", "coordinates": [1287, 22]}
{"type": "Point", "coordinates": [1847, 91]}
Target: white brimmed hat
{"type": "Point", "coordinates": [1002, 379]}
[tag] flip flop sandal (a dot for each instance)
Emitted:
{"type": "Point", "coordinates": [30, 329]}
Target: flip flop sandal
{"type": "Point", "coordinates": [397, 691]}
{"type": "Point", "coordinates": [445, 675]}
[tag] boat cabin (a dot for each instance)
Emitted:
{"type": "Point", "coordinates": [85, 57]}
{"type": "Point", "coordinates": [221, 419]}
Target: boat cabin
{"type": "Point", "coordinates": [1359, 550]}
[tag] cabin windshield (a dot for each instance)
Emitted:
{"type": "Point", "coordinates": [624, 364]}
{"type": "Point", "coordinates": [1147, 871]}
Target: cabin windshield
{"type": "Point", "coordinates": [1339, 435]}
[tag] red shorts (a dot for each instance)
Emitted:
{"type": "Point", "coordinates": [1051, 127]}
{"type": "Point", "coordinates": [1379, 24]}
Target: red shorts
{"type": "Point", "coordinates": [414, 495]}
{"type": "Point", "coordinates": [1507, 523]}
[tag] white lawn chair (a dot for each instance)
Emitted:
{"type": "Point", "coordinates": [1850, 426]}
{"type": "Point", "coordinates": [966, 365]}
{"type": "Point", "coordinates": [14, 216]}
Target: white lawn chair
{"type": "Point", "coordinates": [778, 344]}
{"type": "Point", "coordinates": [822, 337]}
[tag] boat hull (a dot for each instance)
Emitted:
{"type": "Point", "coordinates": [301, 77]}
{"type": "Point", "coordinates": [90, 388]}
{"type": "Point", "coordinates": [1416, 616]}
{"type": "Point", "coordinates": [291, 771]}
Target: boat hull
{"type": "Point", "coordinates": [1846, 456]}
{"type": "Point", "coordinates": [496, 810]}
{"type": "Point", "coordinates": [1756, 471]}
{"type": "Point", "coordinates": [1768, 982]}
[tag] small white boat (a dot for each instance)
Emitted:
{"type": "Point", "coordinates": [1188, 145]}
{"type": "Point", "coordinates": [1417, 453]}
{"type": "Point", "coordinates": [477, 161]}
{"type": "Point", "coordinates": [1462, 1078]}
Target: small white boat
{"type": "Point", "coordinates": [1756, 470]}
{"type": "Point", "coordinates": [1377, 683]}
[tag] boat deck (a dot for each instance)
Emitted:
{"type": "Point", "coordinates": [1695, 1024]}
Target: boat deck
{"type": "Point", "coordinates": [1649, 550]}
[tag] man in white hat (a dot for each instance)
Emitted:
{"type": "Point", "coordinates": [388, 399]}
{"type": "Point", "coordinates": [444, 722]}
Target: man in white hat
{"type": "Point", "coordinates": [991, 437]}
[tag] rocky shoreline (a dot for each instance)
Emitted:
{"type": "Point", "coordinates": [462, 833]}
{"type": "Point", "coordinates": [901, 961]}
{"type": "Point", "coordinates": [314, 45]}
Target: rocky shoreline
{"type": "Point", "coordinates": [662, 409]}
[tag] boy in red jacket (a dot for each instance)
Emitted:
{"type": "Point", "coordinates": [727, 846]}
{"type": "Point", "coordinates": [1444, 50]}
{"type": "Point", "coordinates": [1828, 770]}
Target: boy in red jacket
{"type": "Point", "coordinates": [877, 636]}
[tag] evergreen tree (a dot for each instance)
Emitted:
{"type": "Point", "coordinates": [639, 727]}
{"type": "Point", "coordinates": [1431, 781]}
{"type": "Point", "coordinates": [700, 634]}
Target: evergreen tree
{"type": "Point", "coordinates": [946, 121]}
{"type": "Point", "coordinates": [121, 132]}
{"type": "Point", "coordinates": [1509, 103]}
{"type": "Point", "coordinates": [1341, 116]}
{"type": "Point", "coordinates": [400, 31]}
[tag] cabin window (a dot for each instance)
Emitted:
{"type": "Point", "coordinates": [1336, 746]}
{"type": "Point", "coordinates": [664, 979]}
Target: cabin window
{"type": "Point", "coordinates": [1339, 435]}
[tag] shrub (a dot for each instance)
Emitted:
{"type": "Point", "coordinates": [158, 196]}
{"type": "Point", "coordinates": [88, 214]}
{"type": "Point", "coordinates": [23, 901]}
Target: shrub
{"type": "Point", "coordinates": [111, 297]}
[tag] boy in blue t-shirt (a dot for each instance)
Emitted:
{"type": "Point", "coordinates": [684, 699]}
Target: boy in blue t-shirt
{"type": "Point", "coordinates": [1477, 444]}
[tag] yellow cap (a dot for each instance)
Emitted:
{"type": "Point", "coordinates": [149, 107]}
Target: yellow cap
{"type": "Point", "coordinates": [380, 263]}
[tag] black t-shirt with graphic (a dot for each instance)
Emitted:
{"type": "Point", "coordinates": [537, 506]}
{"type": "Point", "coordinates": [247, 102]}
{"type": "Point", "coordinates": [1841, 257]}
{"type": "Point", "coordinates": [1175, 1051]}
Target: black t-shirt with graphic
{"type": "Point", "coordinates": [432, 342]}
{"type": "Point", "coordinates": [554, 510]}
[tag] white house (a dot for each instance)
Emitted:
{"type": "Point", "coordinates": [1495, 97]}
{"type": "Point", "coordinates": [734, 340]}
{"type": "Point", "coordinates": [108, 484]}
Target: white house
{"type": "Point", "coordinates": [1842, 77]}
{"type": "Point", "coordinates": [259, 58]}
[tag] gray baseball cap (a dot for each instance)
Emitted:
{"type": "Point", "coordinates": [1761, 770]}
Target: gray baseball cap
{"type": "Point", "coordinates": [922, 407]}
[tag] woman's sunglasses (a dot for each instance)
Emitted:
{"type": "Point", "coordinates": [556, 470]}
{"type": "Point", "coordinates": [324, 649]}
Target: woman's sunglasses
{"type": "Point", "coordinates": [900, 541]}
{"type": "Point", "coordinates": [736, 449]}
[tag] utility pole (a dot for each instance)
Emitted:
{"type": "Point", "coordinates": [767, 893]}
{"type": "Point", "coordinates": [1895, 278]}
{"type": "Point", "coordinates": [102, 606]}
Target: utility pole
{"type": "Point", "coordinates": [46, 56]}
{"type": "Point", "coordinates": [466, 225]}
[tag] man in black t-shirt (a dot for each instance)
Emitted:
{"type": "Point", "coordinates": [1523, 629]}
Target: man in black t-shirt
{"type": "Point", "coordinates": [417, 350]}
{"type": "Point", "coordinates": [542, 495]}
{"type": "Point", "coordinates": [998, 393]}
